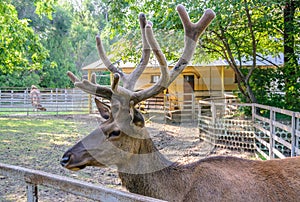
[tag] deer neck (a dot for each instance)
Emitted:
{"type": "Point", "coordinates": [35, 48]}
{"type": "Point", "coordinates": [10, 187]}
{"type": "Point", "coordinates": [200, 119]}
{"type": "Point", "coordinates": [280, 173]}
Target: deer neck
{"type": "Point", "coordinates": [143, 157]}
{"type": "Point", "coordinates": [146, 166]}
{"type": "Point", "coordinates": [153, 184]}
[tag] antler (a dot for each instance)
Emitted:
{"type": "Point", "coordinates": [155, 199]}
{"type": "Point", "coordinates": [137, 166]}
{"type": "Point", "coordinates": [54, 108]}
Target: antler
{"type": "Point", "coordinates": [192, 33]}
{"type": "Point", "coordinates": [91, 87]}
{"type": "Point", "coordinates": [128, 80]}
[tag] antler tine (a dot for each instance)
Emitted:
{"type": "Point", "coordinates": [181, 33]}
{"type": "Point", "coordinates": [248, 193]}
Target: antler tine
{"type": "Point", "coordinates": [133, 77]}
{"type": "Point", "coordinates": [72, 77]}
{"type": "Point", "coordinates": [158, 54]}
{"type": "Point", "coordinates": [106, 61]}
{"type": "Point", "coordinates": [194, 30]}
{"type": "Point", "coordinates": [192, 33]}
{"type": "Point", "coordinates": [164, 78]}
{"type": "Point", "coordinates": [89, 87]}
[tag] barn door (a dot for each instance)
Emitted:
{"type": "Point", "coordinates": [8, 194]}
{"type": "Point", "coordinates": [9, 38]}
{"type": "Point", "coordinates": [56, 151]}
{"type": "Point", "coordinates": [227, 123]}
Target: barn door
{"type": "Point", "coordinates": [188, 86]}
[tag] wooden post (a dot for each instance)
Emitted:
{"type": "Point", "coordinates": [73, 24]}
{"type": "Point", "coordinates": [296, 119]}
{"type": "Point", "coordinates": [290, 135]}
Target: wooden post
{"type": "Point", "coordinates": [293, 135]}
{"type": "Point", "coordinates": [11, 98]}
{"type": "Point", "coordinates": [26, 97]}
{"type": "Point", "coordinates": [253, 106]}
{"type": "Point", "coordinates": [193, 106]}
{"type": "Point", "coordinates": [89, 95]}
{"type": "Point", "coordinates": [214, 117]}
{"type": "Point", "coordinates": [297, 128]}
{"type": "Point", "coordinates": [56, 91]}
{"type": "Point", "coordinates": [222, 81]}
{"type": "Point", "coordinates": [66, 100]}
{"type": "Point", "coordinates": [272, 131]}
{"type": "Point", "coordinates": [32, 192]}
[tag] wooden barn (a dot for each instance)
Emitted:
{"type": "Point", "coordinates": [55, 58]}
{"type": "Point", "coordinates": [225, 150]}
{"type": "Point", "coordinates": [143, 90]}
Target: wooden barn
{"type": "Point", "coordinates": [196, 82]}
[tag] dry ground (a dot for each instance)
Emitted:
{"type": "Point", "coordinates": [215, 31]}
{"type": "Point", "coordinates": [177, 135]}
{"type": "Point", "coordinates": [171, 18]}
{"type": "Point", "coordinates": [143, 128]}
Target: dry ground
{"type": "Point", "coordinates": [179, 142]}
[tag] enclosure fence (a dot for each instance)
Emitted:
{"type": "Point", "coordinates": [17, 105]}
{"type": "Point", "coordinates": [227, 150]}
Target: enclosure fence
{"type": "Point", "coordinates": [56, 101]}
{"type": "Point", "coordinates": [270, 131]}
{"type": "Point", "coordinates": [34, 178]}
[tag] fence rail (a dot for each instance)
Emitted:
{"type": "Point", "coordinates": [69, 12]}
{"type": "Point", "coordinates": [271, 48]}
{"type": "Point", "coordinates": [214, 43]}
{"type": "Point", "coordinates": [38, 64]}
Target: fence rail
{"type": "Point", "coordinates": [272, 132]}
{"type": "Point", "coordinates": [34, 178]}
{"type": "Point", "coordinates": [54, 100]}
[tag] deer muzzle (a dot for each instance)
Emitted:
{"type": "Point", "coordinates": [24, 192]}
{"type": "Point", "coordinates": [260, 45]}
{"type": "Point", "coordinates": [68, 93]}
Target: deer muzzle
{"type": "Point", "coordinates": [68, 162]}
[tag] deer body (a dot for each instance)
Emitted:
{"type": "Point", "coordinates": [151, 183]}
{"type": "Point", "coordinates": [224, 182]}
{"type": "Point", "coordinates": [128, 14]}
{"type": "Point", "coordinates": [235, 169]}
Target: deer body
{"type": "Point", "coordinates": [221, 179]}
{"type": "Point", "coordinates": [123, 141]}
{"type": "Point", "coordinates": [35, 97]}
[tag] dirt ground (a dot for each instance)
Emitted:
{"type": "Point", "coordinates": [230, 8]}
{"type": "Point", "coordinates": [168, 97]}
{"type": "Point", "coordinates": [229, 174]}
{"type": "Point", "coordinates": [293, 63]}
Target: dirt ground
{"type": "Point", "coordinates": [179, 142]}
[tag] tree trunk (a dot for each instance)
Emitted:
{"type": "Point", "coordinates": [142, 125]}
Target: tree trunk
{"type": "Point", "coordinates": [290, 58]}
{"type": "Point", "coordinates": [289, 39]}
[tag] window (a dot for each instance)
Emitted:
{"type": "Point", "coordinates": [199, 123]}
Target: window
{"type": "Point", "coordinates": [154, 78]}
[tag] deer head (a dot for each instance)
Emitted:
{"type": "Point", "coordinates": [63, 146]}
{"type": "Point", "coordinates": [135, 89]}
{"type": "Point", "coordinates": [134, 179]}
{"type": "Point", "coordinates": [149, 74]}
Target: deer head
{"type": "Point", "coordinates": [122, 139]}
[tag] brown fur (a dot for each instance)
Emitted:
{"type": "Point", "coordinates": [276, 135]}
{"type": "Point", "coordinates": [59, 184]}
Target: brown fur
{"type": "Point", "coordinates": [221, 179]}
{"type": "Point", "coordinates": [35, 99]}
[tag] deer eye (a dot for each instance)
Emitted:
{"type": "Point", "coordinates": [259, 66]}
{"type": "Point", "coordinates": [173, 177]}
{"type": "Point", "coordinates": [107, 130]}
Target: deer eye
{"type": "Point", "coordinates": [114, 133]}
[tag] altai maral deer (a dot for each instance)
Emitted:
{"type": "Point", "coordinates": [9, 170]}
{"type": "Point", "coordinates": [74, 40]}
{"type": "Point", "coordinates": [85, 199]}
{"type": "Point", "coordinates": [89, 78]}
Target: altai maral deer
{"type": "Point", "coordinates": [123, 141]}
{"type": "Point", "coordinates": [35, 96]}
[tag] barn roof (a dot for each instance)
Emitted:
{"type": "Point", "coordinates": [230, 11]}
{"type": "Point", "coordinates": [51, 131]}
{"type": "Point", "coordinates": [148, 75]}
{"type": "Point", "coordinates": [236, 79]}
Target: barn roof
{"type": "Point", "coordinates": [267, 61]}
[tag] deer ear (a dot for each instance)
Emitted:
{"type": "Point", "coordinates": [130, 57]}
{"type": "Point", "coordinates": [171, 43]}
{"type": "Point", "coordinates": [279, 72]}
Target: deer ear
{"type": "Point", "coordinates": [136, 117]}
{"type": "Point", "coordinates": [103, 109]}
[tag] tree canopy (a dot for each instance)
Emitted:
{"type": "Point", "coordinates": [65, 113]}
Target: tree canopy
{"type": "Point", "coordinates": [247, 30]}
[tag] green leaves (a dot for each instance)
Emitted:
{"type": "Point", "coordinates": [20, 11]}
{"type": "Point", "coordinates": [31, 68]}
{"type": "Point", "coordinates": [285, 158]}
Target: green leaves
{"type": "Point", "coordinates": [19, 46]}
{"type": "Point", "coordinates": [45, 7]}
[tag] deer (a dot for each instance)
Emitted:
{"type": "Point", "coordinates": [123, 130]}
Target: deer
{"type": "Point", "coordinates": [123, 141]}
{"type": "Point", "coordinates": [35, 96]}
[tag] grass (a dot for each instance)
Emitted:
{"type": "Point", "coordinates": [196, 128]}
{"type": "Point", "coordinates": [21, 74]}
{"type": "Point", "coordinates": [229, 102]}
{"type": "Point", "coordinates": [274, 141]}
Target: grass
{"type": "Point", "coordinates": [38, 142]}
{"type": "Point", "coordinates": [21, 138]}
{"type": "Point", "coordinates": [26, 112]}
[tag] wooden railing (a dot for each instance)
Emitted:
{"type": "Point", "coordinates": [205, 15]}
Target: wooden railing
{"type": "Point", "coordinates": [17, 100]}
{"type": "Point", "coordinates": [34, 178]}
{"type": "Point", "coordinates": [276, 131]}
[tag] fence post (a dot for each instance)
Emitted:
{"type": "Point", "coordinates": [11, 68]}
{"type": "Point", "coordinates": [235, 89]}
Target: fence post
{"type": "Point", "coordinates": [214, 116]}
{"type": "Point", "coordinates": [32, 192]}
{"type": "Point", "coordinates": [297, 128]}
{"type": "Point", "coordinates": [293, 135]}
{"type": "Point", "coordinates": [272, 131]}
{"type": "Point", "coordinates": [26, 97]}
{"type": "Point", "coordinates": [193, 106]}
{"type": "Point", "coordinates": [66, 99]}
{"type": "Point", "coordinates": [253, 106]}
{"type": "Point", "coordinates": [11, 98]}
{"type": "Point", "coordinates": [56, 91]}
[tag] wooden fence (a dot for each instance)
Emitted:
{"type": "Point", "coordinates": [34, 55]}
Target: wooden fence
{"type": "Point", "coordinates": [17, 100]}
{"type": "Point", "coordinates": [272, 132]}
{"type": "Point", "coordinates": [180, 107]}
{"type": "Point", "coordinates": [34, 178]}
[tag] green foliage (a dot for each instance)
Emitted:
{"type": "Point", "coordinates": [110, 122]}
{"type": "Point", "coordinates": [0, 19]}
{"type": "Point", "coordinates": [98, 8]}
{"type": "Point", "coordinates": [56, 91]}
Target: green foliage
{"type": "Point", "coordinates": [232, 36]}
{"type": "Point", "coordinates": [267, 86]}
{"type": "Point", "coordinates": [104, 78]}
{"type": "Point", "coordinates": [19, 79]}
{"type": "Point", "coordinates": [20, 47]}
{"type": "Point", "coordinates": [45, 7]}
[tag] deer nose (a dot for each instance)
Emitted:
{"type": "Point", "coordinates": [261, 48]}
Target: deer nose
{"type": "Point", "coordinates": [65, 160]}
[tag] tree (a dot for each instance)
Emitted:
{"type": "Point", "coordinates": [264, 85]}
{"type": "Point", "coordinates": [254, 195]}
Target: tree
{"type": "Point", "coordinates": [291, 72]}
{"type": "Point", "coordinates": [20, 47]}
